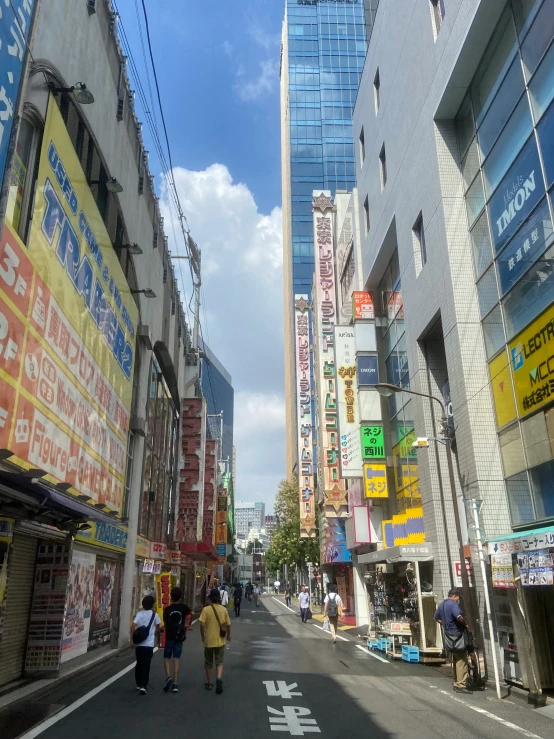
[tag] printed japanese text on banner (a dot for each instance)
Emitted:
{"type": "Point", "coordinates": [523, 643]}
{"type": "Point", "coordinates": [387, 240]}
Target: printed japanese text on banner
{"type": "Point", "coordinates": [304, 417]}
{"type": "Point", "coordinates": [347, 392]}
{"type": "Point", "coordinates": [69, 328]}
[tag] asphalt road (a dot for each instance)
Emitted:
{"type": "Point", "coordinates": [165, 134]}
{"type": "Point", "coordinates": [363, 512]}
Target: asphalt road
{"type": "Point", "coordinates": [283, 678]}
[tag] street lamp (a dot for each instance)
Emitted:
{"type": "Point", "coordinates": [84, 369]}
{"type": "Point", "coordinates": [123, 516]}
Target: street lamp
{"type": "Point", "coordinates": [147, 292]}
{"type": "Point", "coordinates": [80, 91]}
{"type": "Point", "coordinates": [387, 390]}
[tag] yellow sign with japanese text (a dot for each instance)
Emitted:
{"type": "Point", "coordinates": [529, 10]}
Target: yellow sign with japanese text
{"type": "Point", "coordinates": [502, 392]}
{"type": "Point", "coordinates": [375, 481]}
{"type": "Point", "coordinates": [66, 372]}
{"type": "Point", "coordinates": [532, 362]}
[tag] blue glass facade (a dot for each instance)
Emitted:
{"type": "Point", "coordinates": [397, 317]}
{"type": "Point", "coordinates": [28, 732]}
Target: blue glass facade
{"type": "Point", "coordinates": [218, 390]}
{"type": "Point", "coordinates": [327, 44]}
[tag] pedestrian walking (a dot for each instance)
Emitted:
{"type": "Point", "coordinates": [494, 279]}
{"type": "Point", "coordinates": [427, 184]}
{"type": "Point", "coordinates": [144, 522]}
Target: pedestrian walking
{"type": "Point", "coordinates": [175, 617]}
{"type": "Point", "coordinates": [145, 632]}
{"type": "Point", "coordinates": [304, 599]}
{"type": "Point", "coordinates": [248, 591]}
{"type": "Point", "coordinates": [224, 596]}
{"type": "Point", "coordinates": [288, 595]}
{"type": "Point", "coordinates": [456, 638]}
{"type": "Point", "coordinates": [215, 631]}
{"type": "Point", "coordinates": [237, 597]}
{"type": "Point", "coordinates": [332, 610]}
{"type": "Point", "coordinates": [256, 596]}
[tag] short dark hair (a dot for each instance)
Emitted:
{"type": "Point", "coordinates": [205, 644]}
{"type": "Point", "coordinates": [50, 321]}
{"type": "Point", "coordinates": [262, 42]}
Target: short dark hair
{"type": "Point", "coordinates": [453, 591]}
{"type": "Point", "coordinates": [176, 594]}
{"type": "Point", "coordinates": [333, 587]}
{"type": "Point", "coordinates": [148, 602]}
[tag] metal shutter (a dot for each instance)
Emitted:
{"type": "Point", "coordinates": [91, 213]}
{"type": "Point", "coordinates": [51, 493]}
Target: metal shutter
{"type": "Point", "coordinates": [21, 575]}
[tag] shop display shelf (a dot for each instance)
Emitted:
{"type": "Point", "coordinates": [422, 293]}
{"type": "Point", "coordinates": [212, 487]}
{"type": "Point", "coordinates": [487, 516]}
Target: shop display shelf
{"type": "Point", "coordinates": [409, 653]}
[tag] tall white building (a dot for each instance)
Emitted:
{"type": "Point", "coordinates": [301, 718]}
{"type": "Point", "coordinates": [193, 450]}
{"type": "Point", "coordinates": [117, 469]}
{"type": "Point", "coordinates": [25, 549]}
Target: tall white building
{"type": "Point", "coordinates": [248, 516]}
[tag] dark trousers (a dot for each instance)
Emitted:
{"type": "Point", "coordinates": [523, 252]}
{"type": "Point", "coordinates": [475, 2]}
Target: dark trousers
{"type": "Point", "coordinates": [237, 607]}
{"type": "Point", "coordinates": [304, 613]}
{"type": "Point", "coordinates": [287, 600]}
{"type": "Point", "coordinates": [142, 668]}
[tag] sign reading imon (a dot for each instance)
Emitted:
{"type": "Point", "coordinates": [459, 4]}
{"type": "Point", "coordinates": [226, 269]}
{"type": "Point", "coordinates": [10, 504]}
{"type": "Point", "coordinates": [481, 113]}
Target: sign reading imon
{"type": "Point", "coordinates": [347, 400]}
{"type": "Point", "coordinates": [68, 323]}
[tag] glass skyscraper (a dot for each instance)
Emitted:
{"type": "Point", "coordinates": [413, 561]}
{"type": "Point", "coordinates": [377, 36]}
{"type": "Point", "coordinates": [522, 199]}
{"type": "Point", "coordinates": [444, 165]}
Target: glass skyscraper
{"type": "Point", "coordinates": [323, 53]}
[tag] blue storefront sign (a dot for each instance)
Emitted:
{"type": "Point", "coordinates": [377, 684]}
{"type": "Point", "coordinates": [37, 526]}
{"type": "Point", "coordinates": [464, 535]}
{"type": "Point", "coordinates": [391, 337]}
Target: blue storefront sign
{"type": "Point", "coordinates": [516, 196]}
{"type": "Point", "coordinates": [529, 243]}
{"type": "Point", "coordinates": [368, 370]}
{"type": "Point", "coordinates": [15, 23]}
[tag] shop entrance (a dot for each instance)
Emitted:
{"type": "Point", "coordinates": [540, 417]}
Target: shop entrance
{"type": "Point", "coordinates": [21, 576]}
{"type": "Point", "coordinates": [539, 602]}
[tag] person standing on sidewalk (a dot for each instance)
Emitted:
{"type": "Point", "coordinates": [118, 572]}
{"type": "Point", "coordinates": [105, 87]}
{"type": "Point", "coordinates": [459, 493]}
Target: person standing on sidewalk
{"type": "Point", "coordinates": [175, 616]}
{"type": "Point", "coordinates": [332, 610]}
{"type": "Point", "coordinates": [237, 597]}
{"type": "Point", "coordinates": [288, 595]}
{"type": "Point", "coordinates": [215, 630]}
{"type": "Point", "coordinates": [304, 599]}
{"type": "Point", "coordinates": [449, 615]}
{"type": "Point", "coordinates": [145, 632]}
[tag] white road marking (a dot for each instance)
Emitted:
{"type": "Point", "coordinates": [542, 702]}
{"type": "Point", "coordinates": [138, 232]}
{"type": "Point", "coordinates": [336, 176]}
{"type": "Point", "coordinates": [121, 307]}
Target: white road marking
{"type": "Point", "coordinates": [365, 650]}
{"type": "Point", "coordinates": [493, 716]}
{"type": "Point", "coordinates": [37, 730]}
{"type": "Point", "coordinates": [328, 632]}
{"type": "Point", "coordinates": [282, 604]}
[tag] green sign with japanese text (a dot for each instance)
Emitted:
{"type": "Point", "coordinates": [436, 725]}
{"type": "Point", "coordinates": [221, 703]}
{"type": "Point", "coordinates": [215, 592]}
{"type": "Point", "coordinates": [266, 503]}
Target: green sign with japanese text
{"type": "Point", "coordinates": [373, 442]}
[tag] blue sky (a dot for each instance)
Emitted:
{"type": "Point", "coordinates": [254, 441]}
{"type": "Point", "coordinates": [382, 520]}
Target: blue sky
{"type": "Point", "coordinates": [218, 69]}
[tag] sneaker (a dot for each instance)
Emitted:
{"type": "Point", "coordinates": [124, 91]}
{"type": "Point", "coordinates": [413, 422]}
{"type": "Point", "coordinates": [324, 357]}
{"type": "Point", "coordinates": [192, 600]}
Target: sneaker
{"type": "Point", "coordinates": [167, 686]}
{"type": "Point", "coordinates": [142, 691]}
{"type": "Point", "coordinates": [467, 691]}
{"type": "Point", "coordinates": [219, 686]}
{"type": "Point", "coordinates": [175, 688]}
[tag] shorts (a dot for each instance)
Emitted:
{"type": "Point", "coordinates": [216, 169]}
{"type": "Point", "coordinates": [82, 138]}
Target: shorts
{"type": "Point", "coordinates": [213, 653]}
{"type": "Point", "coordinates": [173, 648]}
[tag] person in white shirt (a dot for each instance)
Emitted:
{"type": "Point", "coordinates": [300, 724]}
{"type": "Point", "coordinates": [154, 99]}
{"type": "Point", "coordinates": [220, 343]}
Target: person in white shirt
{"type": "Point", "coordinates": [256, 595]}
{"type": "Point", "coordinates": [304, 599]}
{"type": "Point", "coordinates": [332, 610]}
{"type": "Point", "coordinates": [148, 621]}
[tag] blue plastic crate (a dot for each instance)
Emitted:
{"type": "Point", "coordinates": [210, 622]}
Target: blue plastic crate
{"type": "Point", "coordinates": [409, 653]}
{"type": "Point", "coordinates": [373, 644]}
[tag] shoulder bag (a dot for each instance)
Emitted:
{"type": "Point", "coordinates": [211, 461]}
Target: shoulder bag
{"type": "Point", "coordinates": [222, 629]}
{"type": "Point", "coordinates": [143, 632]}
{"type": "Point", "coordinates": [457, 642]}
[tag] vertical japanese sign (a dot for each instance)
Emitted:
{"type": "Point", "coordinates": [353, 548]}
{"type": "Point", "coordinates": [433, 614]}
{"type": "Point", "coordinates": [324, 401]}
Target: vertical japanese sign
{"type": "Point", "coordinates": [69, 323]}
{"type": "Point", "coordinates": [15, 25]}
{"type": "Point", "coordinates": [190, 500]}
{"type": "Point", "coordinates": [347, 394]}
{"type": "Point", "coordinates": [334, 490]}
{"type": "Point", "coordinates": [221, 527]}
{"type": "Point", "coordinates": [304, 417]}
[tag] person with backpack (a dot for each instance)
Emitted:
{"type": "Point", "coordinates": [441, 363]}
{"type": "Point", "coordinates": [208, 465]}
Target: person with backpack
{"type": "Point", "coordinates": [175, 616]}
{"type": "Point", "coordinates": [215, 630]}
{"type": "Point", "coordinates": [145, 632]}
{"type": "Point", "coordinates": [237, 597]}
{"type": "Point", "coordinates": [332, 610]}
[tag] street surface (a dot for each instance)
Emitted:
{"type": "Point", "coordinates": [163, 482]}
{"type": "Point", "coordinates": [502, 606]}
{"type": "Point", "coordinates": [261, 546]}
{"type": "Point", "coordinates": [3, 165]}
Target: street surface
{"type": "Point", "coordinates": [282, 678]}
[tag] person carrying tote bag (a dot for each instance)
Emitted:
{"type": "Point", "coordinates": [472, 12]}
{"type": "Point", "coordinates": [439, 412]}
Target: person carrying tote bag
{"type": "Point", "coordinates": [456, 638]}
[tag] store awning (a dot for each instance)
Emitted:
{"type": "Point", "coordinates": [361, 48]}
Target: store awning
{"type": "Point", "coordinates": [31, 497]}
{"type": "Point", "coordinates": [520, 541]}
{"type": "Point", "coordinates": [402, 553]}
{"type": "Point", "coordinates": [200, 551]}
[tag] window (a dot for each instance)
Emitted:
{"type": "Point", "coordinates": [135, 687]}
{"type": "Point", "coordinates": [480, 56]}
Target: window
{"type": "Point", "coordinates": [366, 215]}
{"type": "Point", "coordinates": [420, 251]}
{"type": "Point", "coordinates": [437, 8]}
{"type": "Point", "coordinates": [362, 147]}
{"type": "Point", "coordinates": [23, 176]}
{"type": "Point", "coordinates": [377, 91]}
{"type": "Point", "coordinates": [383, 161]}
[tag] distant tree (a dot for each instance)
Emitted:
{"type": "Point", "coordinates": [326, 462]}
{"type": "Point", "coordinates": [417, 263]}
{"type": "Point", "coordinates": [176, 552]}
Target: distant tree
{"type": "Point", "coordinates": [286, 546]}
{"type": "Point", "coordinates": [253, 545]}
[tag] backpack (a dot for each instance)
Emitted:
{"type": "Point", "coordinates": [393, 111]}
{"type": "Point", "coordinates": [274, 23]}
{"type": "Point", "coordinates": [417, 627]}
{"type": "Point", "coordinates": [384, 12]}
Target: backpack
{"type": "Point", "coordinates": [143, 632]}
{"type": "Point", "coordinates": [176, 620]}
{"type": "Point", "coordinates": [332, 606]}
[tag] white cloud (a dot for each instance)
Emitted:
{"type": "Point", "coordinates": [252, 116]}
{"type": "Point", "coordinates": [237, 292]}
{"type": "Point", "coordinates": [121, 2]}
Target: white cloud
{"type": "Point", "coordinates": [263, 38]}
{"type": "Point", "coordinates": [228, 48]}
{"type": "Point", "coordinates": [266, 82]}
{"type": "Point", "coordinates": [242, 278]}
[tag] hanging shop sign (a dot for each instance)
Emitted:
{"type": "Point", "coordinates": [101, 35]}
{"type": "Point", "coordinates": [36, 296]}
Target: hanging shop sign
{"type": "Point", "coordinates": [304, 416]}
{"type": "Point", "coordinates": [142, 550]}
{"type": "Point", "coordinates": [334, 491]}
{"type": "Point", "coordinates": [148, 566]}
{"type": "Point", "coordinates": [69, 325]}
{"type": "Point", "coordinates": [536, 568]}
{"type": "Point", "coordinates": [516, 196]}
{"type": "Point", "coordinates": [194, 466]}
{"type": "Point", "coordinates": [347, 397]}
{"type": "Point", "coordinates": [163, 592]}
{"type": "Point", "coordinates": [6, 529]}
{"type": "Point", "coordinates": [502, 571]}
{"type": "Point", "coordinates": [368, 369]}
{"type": "Point", "coordinates": [105, 535]}
{"type": "Point", "coordinates": [158, 550]}
{"type": "Point", "coordinates": [373, 442]}
{"type": "Point", "coordinates": [532, 360]}
{"type": "Point", "coordinates": [335, 546]}
{"type": "Point", "coordinates": [362, 306]}
{"type": "Point", "coordinates": [375, 481]}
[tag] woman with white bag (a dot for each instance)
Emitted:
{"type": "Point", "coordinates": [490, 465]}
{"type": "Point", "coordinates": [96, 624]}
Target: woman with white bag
{"type": "Point", "coordinates": [332, 611]}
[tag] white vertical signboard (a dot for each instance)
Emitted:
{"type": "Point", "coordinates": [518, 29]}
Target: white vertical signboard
{"type": "Point", "coordinates": [347, 400]}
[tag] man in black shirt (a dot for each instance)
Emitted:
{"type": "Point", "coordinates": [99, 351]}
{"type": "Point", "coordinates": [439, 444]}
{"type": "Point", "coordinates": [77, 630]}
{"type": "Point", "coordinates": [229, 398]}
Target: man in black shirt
{"type": "Point", "coordinates": [175, 616]}
{"type": "Point", "coordinates": [237, 597]}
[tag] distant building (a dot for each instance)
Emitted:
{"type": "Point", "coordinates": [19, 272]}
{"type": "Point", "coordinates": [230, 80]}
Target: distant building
{"type": "Point", "coordinates": [217, 388]}
{"type": "Point", "coordinates": [270, 525]}
{"type": "Point", "coordinates": [248, 516]}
